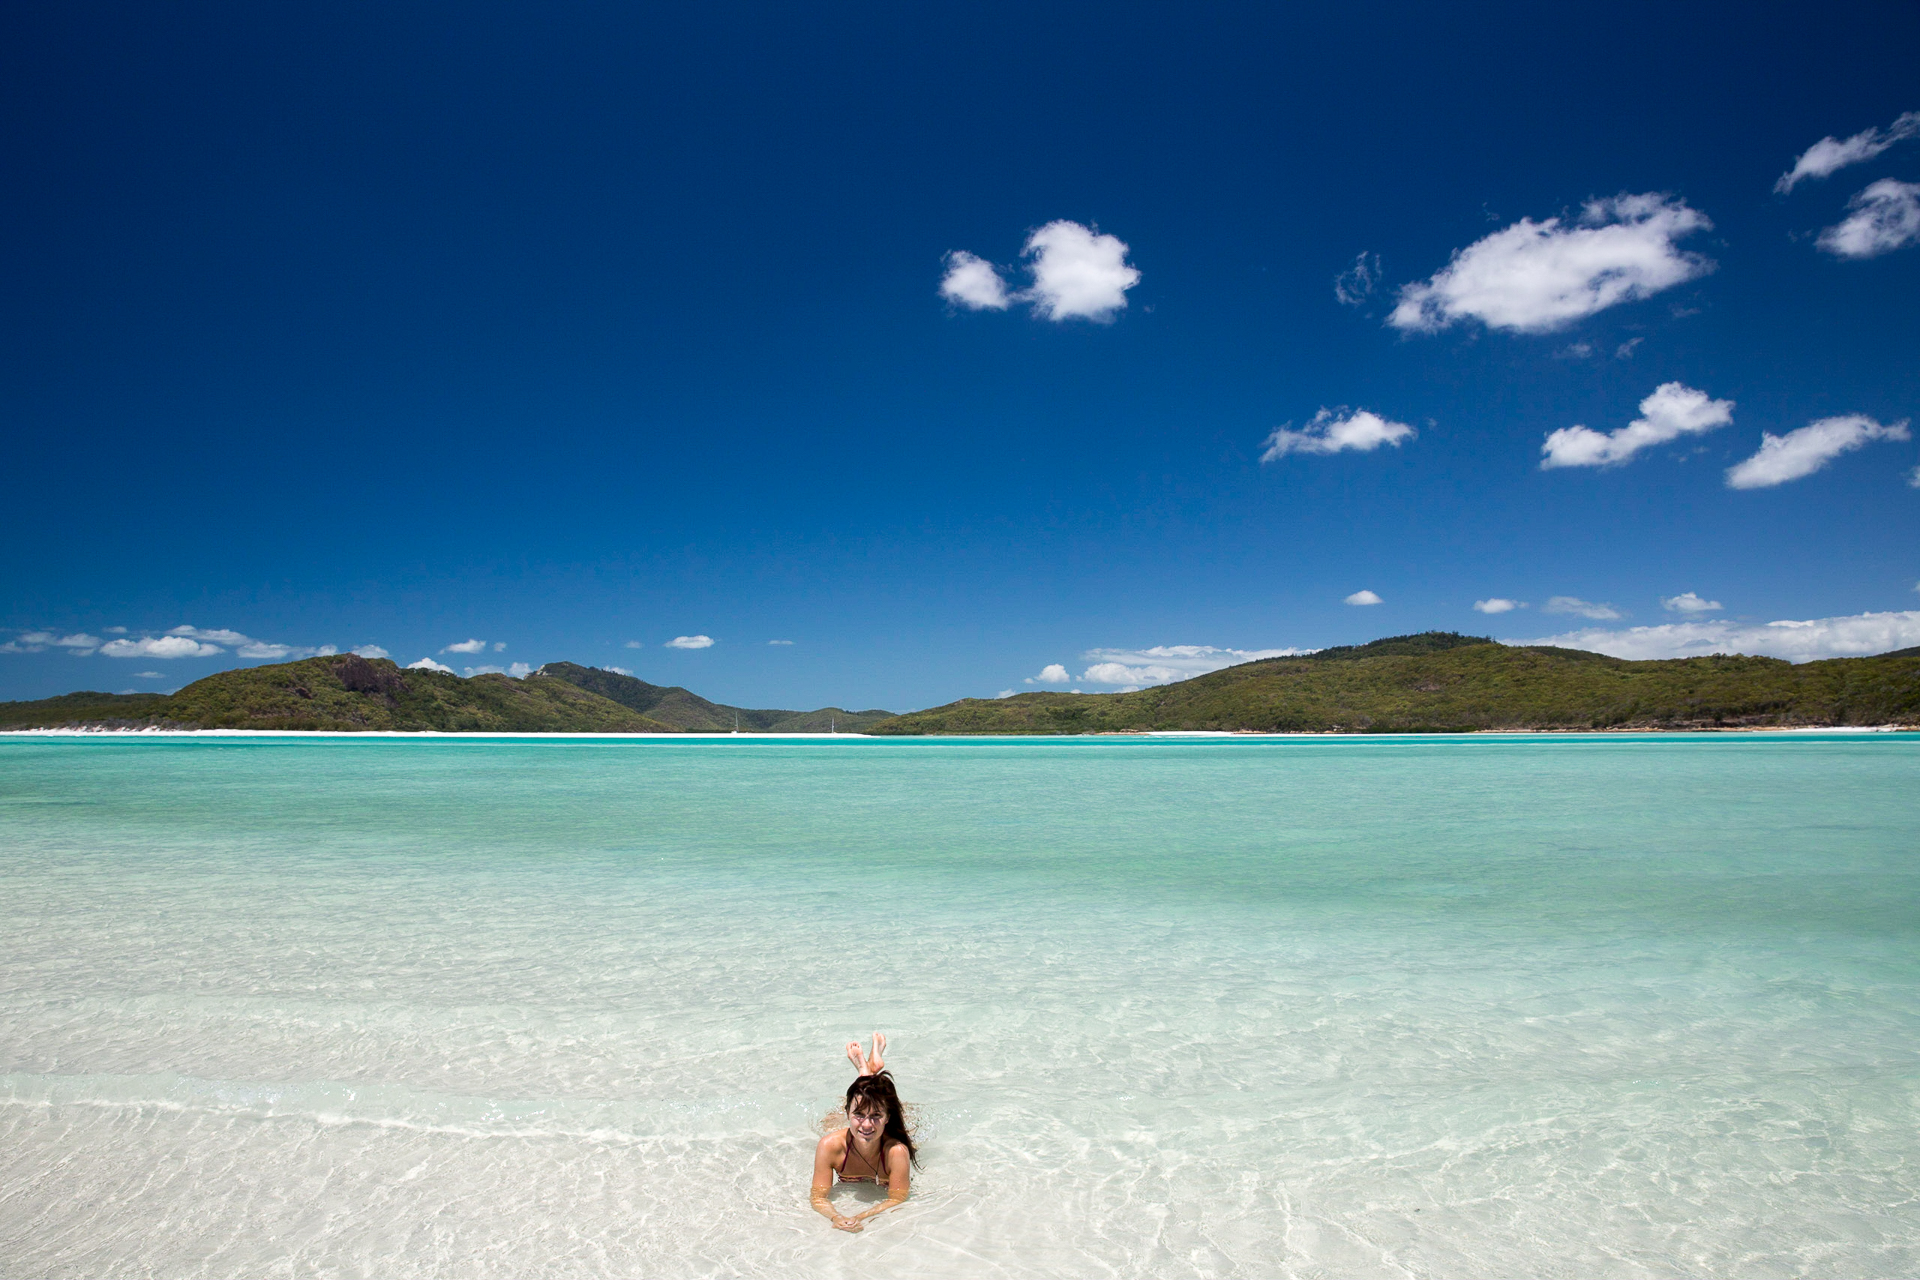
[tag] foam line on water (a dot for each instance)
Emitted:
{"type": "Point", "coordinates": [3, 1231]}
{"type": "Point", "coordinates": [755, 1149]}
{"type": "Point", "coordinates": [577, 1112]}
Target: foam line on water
{"type": "Point", "coordinates": [388, 1105]}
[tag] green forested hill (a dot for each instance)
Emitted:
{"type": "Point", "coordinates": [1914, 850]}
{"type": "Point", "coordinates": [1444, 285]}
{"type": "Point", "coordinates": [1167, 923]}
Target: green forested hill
{"type": "Point", "coordinates": [1429, 682]}
{"type": "Point", "coordinates": [343, 691]}
{"type": "Point", "coordinates": [690, 711]}
{"type": "Point", "coordinates": [104, 709]}
{"type": "Point", "coordinates": [1439, 681]}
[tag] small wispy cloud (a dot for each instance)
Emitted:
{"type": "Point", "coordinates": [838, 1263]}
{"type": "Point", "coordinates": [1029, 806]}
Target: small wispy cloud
{"type": "Point", "coordinates": [1004, 693]}
{"type": "Point", "coordinates": [620, 671]}
{"type": "Point", "coordinates": [1052, 673]}
{"type": "Point", "coordinates": [1803, 451]}
{"type": "Point", "coordinates": [1357, 283]}
{"type": "Point", "coordinates": [1498, 604]}
{"type": "Point", "coordinates": [1884, 217]}
{"type": "Point", "coordinates": [149, 675]}
{"type": "Point", "coordinates": [1831, 154]}
{"type": "Point", "coordinates": [779, 642]}
{"type": "Point", "coordinates": [1333, 431]}
{"type": "Point", "coordinates": [370, 651]}
{"type": "Point", "coordinates": [1535, 277]}
{"type": "Point", "coordinates": [1672, 411]}
{"type": "Point", "coordinates": [1077, 273]}
{"type": "Point", "coordinates": [1363, 598]}
{"type": "Point", "coordinates": [466, 646]}
{"type": "Point", "coordinates": [1688, 602]}
{"type": "Point", "coordinates": [1796, 641]}
{"type": "Point", "coordinates": [689, 642]}
{"type": "Point", "coordinates": [428, 664]}
{"type": "Point", "coordinates": [1583, 608]}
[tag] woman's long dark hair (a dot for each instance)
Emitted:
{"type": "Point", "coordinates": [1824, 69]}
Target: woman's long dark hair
{"type": "Point", "coordinates": [878, 1089]}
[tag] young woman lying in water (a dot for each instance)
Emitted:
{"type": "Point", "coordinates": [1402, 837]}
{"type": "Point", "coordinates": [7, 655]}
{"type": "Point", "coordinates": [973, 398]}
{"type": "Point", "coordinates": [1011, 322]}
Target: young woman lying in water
{"type": "Point", "coordinates": [874, 1147]}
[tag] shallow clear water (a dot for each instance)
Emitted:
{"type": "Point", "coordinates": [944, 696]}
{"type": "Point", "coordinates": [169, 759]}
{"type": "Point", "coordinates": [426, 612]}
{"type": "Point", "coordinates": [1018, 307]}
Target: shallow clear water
{"type": "Point", "coordinates": [1262, 1007]}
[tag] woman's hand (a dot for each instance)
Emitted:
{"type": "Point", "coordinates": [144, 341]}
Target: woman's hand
{"type": "Point", "coordinates": [848, 1224]}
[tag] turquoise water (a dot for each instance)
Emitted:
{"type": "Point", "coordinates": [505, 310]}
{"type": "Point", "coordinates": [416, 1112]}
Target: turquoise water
{"type": "Point", "coordinates": [1465, 1007]}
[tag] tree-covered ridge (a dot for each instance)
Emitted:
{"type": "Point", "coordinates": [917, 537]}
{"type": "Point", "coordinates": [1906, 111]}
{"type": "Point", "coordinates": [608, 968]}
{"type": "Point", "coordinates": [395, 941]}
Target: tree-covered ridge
{"type": "Point", "coordinates": [689, 711]}
{"type": "Point", "coordinates": [344, 692]}
{"type": "Point", "coordinates": [1435, 681]}
{"type": "Point", "coordinates": [1440, 682]}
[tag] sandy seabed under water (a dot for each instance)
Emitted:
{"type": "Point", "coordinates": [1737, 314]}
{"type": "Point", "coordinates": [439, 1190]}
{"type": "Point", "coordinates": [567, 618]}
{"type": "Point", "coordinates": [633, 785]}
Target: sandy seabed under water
{"type": "Point", "coordinates": [1593, 1006]}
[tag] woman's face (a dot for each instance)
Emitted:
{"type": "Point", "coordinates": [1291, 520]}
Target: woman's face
{"type": "Point", "coordinates": [866, 1119]}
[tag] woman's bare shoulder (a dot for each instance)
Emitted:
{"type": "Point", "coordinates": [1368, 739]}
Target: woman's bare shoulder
{"type": "Point", "coordinates": [832, 1142]}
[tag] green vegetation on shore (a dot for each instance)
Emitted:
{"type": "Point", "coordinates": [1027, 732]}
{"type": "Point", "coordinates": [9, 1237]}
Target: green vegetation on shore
{"type": "Point", "coordinates": [1444, 682]}
{"type": "Point", "coordinates": [1437, 681]}
{"type": "Point", "coordinates": [344, 692]}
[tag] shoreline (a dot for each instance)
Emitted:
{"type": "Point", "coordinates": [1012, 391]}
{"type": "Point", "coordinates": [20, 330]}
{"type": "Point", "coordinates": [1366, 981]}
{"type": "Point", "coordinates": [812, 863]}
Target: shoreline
{"type": "Point", "coordinates": [458, 735]}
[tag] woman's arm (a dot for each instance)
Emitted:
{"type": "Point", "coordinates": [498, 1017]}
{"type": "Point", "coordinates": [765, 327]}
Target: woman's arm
{"type": "Point", "coordinates": [899, 1185]}
{"type": "Point", "coordinates": [825, 1156]}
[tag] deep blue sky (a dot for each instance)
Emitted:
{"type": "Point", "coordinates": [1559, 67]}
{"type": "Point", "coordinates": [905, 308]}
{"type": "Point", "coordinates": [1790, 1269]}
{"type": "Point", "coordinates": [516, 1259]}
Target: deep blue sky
{"type": "Point", "coordinates": [401, 325]}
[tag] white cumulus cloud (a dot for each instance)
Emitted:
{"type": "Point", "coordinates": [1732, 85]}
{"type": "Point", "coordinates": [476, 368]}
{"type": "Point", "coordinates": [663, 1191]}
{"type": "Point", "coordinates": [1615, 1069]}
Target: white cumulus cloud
{"type": "Point", "coordinates": [1533, 277]}
{"type": "Point", "coordinates": [371, 651]}
{"type": "Point", "coordinates": [1797, 641]}
{"type": "Point", "coordinates": [972, 282]}
{"type": "Point", "coordinates": [466, 646]}
{"type": "Point", "coordinates": [277, 652]}
{"type": "Point", "coordinates": [179, 642]}
{"type": "Point", "coordinates": [428, 664]}
{"type": "Point", "coordinates": [1672, 411]}
{"type": "Point", "coordinates": [1884, 217]}
{"type": "Point", "coordinates": [1363, 597]}
{"type": "Point", "coordinates": [1688, 602]}
{"type": "Point", "coordinates": [518, 670]}
{"type": "Point", "coordinates": [1831, 154]}
{"type": "Point", "coordinates": [1584, 608]}
{"type": "Point", "coordinates": [1804, 451]}
{"type": "Point", "coordinates": [79, 640]}
{"type": "Point", "coordinates": [1077, 272]}
{"type": "Point", "coordinates": [1499, 604]}
{"type": "Point", "coordinates": [160, 647]}
{"type": "Point", "coordinates": [1052, 673]}
{"type": "Point", "coordinates": [1331, 432]}
{"type": "Point", "coordinates": [690, 642]}
{"type": "Point", "coordinates": [212, 635]}
{"type": "Point", "coordinates": [1169, 663]}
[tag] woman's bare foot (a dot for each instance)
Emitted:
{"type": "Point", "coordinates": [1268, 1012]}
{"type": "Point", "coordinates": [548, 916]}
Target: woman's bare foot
{"type": "Point", "coordinates": [857, 1058]}
{"type": "Point", "coordinates": [876, 1061]}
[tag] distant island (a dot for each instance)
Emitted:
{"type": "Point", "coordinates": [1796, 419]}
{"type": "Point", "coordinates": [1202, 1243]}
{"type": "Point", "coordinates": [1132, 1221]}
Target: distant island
{"type": "Point", "coordinates": [348, 693]}
{"type": "Point", "coordinates": [1433, 682]}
